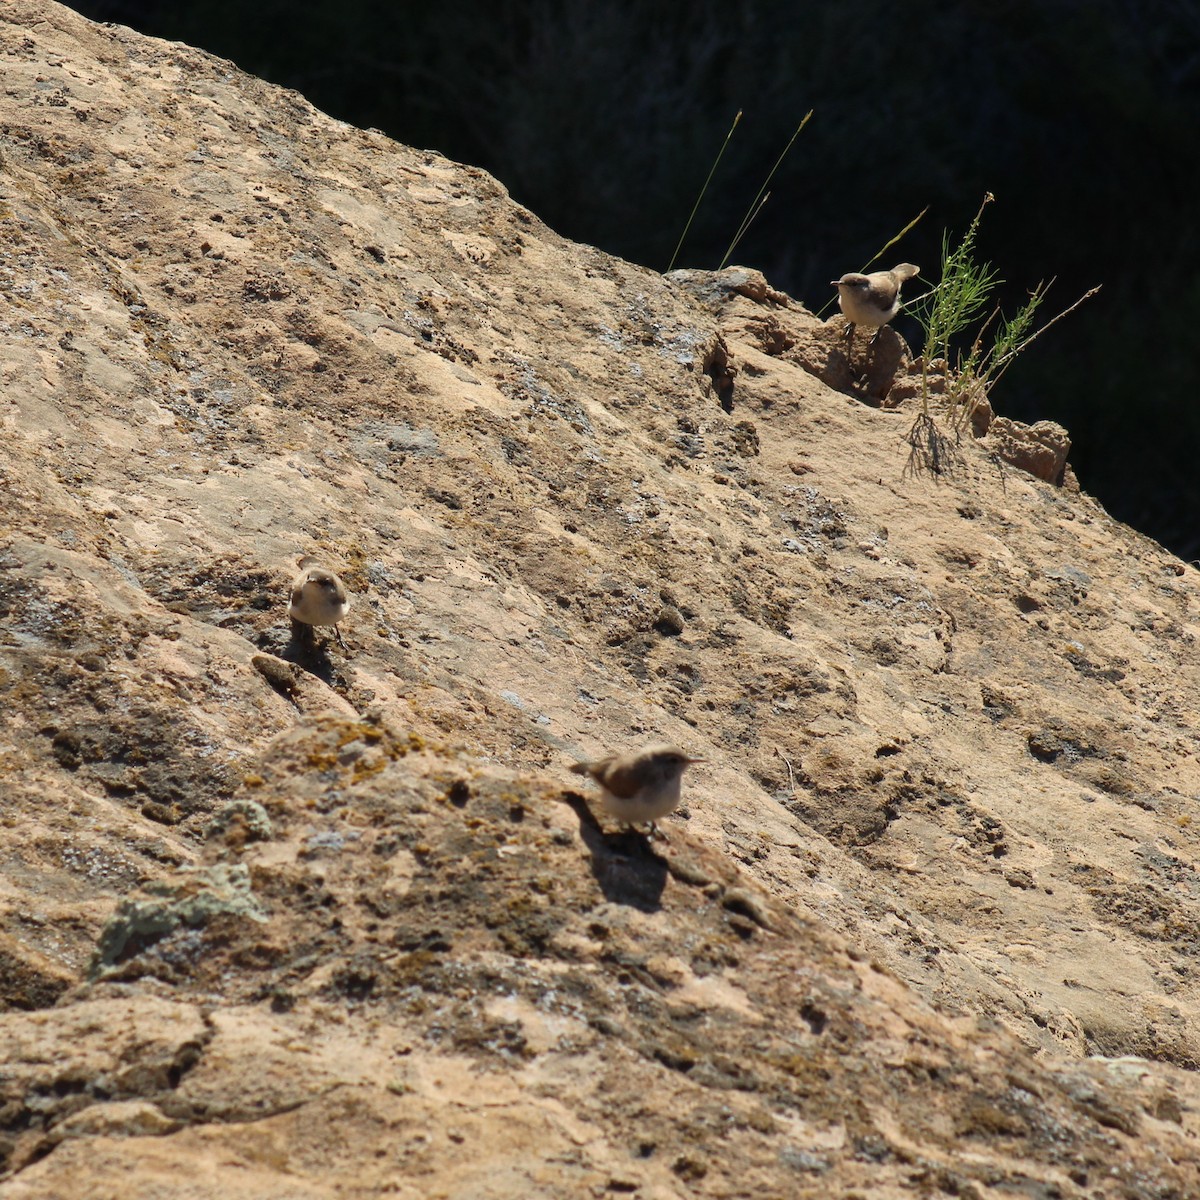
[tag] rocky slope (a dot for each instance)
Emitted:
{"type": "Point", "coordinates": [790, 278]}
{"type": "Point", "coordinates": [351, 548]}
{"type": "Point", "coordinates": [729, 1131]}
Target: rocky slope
{"type": "Point", "coordinates": [279, 920]}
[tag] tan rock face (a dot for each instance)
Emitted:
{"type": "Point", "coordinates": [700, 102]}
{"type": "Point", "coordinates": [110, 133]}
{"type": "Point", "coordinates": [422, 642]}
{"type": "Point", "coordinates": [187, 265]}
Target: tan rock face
{"type": "Point", "coordinates": [942, 853]}
{"type": "Point", "coordinates": [1041, 449]}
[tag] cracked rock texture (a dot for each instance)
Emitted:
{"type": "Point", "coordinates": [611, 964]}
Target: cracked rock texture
{"type": "Point", "coordinates": [927, 922]}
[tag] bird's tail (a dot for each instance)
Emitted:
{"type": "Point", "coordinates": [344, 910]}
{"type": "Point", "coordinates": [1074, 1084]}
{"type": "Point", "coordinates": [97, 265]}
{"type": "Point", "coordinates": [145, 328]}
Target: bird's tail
{"type": "Point", "coordinates": [579, 768]}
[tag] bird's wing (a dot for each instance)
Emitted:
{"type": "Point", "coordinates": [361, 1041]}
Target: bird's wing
{"type": "Point", "coordinates": [622, 778]}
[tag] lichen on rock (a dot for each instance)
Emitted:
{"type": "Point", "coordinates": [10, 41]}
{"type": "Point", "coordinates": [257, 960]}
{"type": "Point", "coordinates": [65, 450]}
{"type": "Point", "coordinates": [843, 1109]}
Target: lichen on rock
{"type": "Point", "coordinates": [189, 899]}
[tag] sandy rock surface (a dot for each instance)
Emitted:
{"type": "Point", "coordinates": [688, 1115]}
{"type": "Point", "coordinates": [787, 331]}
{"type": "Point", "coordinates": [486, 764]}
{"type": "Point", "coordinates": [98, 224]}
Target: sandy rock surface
{"type": "Point", "coordinates": [283, 920]}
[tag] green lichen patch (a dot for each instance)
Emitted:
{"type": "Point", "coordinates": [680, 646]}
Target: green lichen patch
{"type": "Point", "coordinates": [190, 898]}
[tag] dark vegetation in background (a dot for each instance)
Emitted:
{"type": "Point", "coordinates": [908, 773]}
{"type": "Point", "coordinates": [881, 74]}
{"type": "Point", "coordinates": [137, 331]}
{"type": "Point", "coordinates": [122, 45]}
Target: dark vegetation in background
{"type": "Point", "coordinates": [1082, 116]}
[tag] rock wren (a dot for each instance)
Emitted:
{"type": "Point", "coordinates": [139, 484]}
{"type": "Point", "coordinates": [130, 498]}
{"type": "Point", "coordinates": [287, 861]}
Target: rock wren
{"type": "Point", "coordinates": [641, 786]}
{"type": "Point", "coordinates": [872, 300]}
{"type": "Point", "coordinates": [318, 597]}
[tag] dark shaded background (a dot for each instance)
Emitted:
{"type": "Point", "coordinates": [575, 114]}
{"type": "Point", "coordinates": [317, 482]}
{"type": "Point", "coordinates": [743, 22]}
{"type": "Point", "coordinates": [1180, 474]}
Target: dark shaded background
{"type": "Point", "coordinates": [1081, 116]}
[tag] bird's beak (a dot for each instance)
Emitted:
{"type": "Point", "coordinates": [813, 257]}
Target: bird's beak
{"type": "Point", "coordinates": [690, 761]}
{"type": "Point", "coordinates": [835, 282]}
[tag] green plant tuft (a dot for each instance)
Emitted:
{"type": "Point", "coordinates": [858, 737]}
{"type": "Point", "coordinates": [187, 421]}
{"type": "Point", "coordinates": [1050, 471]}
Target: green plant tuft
{"type": "Point", "coordinates": [945, 313]}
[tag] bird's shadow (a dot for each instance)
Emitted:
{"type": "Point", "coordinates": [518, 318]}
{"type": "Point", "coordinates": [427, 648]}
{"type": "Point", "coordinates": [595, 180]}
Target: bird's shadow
{"type": "Point", "coordinates": [303, 649]}
{"type": "Point", "coordinates": [624, 864]}
{"type": "Point", "coordinates": [866, 367]}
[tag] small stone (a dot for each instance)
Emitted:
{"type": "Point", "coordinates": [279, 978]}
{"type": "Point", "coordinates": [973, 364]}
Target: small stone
{"type": "Point", "coordinates": [251, 815]}
{"type": "Point", "coordinates": [279, 674]}
{"type": "Point", "coordinates": [1041, 448]}
{"type": "Point", "coordinates": [746, 904]}
{"type": "Point", "coordinates": [689, 1169]}
{"type": "Point", "coordinates": [117, 1118]}
{"type": "Point", "coordinates": [669, 621]}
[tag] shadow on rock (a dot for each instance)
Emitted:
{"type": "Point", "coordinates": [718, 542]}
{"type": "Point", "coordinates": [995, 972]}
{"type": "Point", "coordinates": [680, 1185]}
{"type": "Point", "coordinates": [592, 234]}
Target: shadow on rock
{"type": "Point", "coordinates": [624, 863]}
{"type": "Point", "coordinates": [865, 369]}
{"type": "Point", "coordinates": [303, 649]}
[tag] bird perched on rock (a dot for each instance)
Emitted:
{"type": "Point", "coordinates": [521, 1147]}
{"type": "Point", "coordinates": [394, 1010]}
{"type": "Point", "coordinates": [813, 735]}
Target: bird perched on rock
{"type": "Point", "coordinates": [872, 300]}
{"type": "Point", "coordinates": [641, 786]}
{"type": "Point", "coordinates": [318, 597]}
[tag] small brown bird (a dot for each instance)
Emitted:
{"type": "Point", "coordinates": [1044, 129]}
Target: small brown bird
{"type": "Point", "coordinates": [318, 597]}
{"type": "Point", "coordinates": [641, 786]}
{"type": "Point", "coordinates": [872, 300]}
